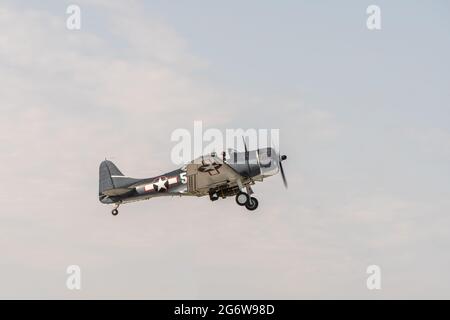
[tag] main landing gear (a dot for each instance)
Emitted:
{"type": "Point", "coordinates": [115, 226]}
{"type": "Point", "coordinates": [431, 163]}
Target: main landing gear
{"type": "Point", "coordinates": [243, 199]}
{"type": "Point", "coordinates": [115, 212]}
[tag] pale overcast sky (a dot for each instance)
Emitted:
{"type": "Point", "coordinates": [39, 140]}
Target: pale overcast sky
{"type": "Point", "coordinates": [363, 117]}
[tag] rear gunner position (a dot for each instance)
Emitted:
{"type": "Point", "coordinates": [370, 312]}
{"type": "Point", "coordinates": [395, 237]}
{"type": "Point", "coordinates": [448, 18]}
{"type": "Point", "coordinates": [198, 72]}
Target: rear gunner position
{"type": "Point", "coordinates": [232, 174]}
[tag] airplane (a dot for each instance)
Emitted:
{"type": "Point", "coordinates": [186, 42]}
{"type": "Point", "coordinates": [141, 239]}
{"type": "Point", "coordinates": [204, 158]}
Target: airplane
{"type": "Point", "coordinates": [232, 174]}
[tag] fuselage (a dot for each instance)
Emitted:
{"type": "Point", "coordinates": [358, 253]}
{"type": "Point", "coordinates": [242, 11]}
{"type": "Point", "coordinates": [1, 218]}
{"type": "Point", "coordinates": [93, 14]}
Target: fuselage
{"type": "Point", "coordinates": [253, 165]}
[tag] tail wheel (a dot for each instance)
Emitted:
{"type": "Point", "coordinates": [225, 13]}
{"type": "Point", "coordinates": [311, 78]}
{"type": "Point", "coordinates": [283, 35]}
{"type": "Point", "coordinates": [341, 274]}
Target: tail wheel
{"type": "Point", "coordinates": [252, 204]}
{"type": "Point", "coordinates": [115, 212]}
{"type": "Point", "coordinates": [242, 198]}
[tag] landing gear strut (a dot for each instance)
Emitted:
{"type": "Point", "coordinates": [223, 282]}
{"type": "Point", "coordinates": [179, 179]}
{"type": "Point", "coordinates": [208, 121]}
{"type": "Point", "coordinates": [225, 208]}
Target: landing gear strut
{"type": "Point", "coordinates": [115, 212]}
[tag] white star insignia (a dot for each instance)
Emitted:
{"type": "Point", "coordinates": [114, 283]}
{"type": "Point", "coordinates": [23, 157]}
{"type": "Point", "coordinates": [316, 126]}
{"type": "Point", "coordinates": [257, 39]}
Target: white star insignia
{"type": "Point", "coordinates": [160, 184]}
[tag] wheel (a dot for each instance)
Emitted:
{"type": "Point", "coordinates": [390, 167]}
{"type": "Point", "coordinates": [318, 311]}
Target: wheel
{"type": "Point", "coordinates": [242, 198]}
{"type": "Point", "coordinates": [115, 212]}
{"type": "Point", "coordinates": [252, 204]}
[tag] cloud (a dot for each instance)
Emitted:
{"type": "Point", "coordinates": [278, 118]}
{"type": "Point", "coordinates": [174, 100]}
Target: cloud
{"type": "Point", "coordinates": [432, 142]}
{"type": "Point", "coordinates": [118, 88]}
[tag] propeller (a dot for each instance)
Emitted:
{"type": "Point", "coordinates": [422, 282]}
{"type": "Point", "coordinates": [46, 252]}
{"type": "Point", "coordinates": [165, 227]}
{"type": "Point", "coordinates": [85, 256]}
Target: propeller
{"type": "Point", "coordinates": [280, 160]}
{"type": "Point", "coordinates": [246, 157]}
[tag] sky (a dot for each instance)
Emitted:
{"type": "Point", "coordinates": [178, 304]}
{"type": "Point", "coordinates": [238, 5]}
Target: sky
{"type": "Point", "coordinates": [363, 117]}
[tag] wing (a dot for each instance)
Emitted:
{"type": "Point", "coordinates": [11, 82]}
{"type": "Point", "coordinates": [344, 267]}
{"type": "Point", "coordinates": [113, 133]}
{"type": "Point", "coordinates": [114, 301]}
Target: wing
{"type": "Point", "coordinates": [210, 172]}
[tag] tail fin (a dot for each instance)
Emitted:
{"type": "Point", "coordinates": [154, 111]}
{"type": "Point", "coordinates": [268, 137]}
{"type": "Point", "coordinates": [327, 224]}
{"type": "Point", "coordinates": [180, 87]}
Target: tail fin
{"type": "Point", "coordinates": [113, 184]}
{"type": "Point", "coordinates": [106, 182]}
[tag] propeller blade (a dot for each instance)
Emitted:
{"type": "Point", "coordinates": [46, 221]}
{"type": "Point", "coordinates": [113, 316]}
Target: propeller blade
{"type": "Point", "coordinates": [246, 157]}
{"type": "Point", "coordinates": [281, 159]}
{"type": "Point", "coordinates": [245, 145]}
{"type": "Point", "coordinates": [282, 171]}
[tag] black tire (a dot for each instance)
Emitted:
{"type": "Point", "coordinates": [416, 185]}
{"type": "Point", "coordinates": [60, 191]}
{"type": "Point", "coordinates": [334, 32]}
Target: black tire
{"type": "Point", "coordinates": [241, 196]}
{"type": "Point", "coordinates": [115, 212]}
{"type": "Point", "coordinates": [252, 204]}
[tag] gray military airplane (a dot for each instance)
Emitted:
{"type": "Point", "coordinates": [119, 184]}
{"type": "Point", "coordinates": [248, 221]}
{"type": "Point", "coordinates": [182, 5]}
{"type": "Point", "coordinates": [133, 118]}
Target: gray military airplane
{"type": "Point", "coordinates": [232, 174]}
